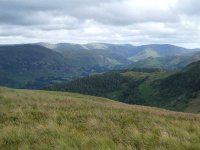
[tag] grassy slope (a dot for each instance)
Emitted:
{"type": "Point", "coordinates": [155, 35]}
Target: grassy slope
{"type": "Point", "coordinates": [53, 120]}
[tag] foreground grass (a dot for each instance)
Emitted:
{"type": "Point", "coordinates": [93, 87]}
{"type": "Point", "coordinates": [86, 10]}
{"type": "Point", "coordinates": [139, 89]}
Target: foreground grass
{"type": "Point", "coordinates": [53, 120]}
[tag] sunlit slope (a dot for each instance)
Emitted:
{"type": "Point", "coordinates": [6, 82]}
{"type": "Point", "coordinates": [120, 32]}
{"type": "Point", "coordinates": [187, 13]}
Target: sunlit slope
{"type": "Point", "coordinates": [53, 120]}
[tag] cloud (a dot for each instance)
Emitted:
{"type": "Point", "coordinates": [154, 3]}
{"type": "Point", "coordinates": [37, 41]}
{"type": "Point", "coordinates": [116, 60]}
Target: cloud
{"type": "Point", "coordinates": [117, 12]}
{"type": "Point", "coordinates": [116, 21]}
{"type": "Point", "coordinates": [188, 7]}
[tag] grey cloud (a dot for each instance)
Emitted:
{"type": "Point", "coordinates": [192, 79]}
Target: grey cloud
{"type": "Point", "coordinates": [104, 11]}
{"type": "Point", "coordinates": [188, 7]}
{"type": "Point", "coordinates": [24, 18]}
{"type": "Point", "coordinates": [116, 21]}
{"type": "Point", "coordinates": [117, 13]}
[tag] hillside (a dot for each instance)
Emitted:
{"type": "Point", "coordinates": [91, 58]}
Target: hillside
{"type": "Point", "coordinates": [129, 86]}
{"type": "Point", "coordinates": [183, 86]}
{"type": "Point", "coordinates": [124, 51]}
{"type": "Point", "coordinates": [94, 55]}
{"type": "Point", "coordinates": [34, 66]}
{"type": "Point", "coordinates": [146, 53]}
{"type": "Point", "coordinates": [37, 65]}
{"type": "Point", "coordinates": [52, 120]}
{"type": "Point", "coordinates": [116, 56]}
{"type": "Point", "coordinates": [165, 63]}
{"type": "Point", "coordinates": [97, 60]}
{"type": "Point", "coordinates": [152, 87]}
{"type": "Point", "coordinates": [31, 66]}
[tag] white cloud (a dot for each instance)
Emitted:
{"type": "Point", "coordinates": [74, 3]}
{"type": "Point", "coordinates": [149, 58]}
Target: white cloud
{"type": "Point", "coordinates": [116, 21]}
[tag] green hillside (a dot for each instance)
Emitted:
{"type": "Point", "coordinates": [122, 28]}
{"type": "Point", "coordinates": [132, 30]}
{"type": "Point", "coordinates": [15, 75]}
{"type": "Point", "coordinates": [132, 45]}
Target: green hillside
{"type": "Point", "coordinates": [35, 66]}
{"type": "Point", "coordinates": [152, 87]}
{"type": "Point", "coordinates": [120, 54]}
{"type": "Point", "coordinates": [166, 63]}
{"type": "Point", "coordinates": [53, 120]}
{"type": "Point", "coordinates": [93, 59]}
{"type": "Point", "coordinates": [129, 86]}
{"type": "Point", "coordinates": [32, 66]}
{"type": "Point", "coordinates": [183, 87]}
{"type": "Point", "coordinates": [146, 53]}
{"type": "Point", "coordinates": [169, 62]}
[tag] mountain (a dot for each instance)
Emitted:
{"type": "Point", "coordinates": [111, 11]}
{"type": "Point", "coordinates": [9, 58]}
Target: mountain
{"type": "Point", "coordinates": [144, 54]}
{"type": "Point", "coordinates": [166, 63]}
{"type": "Point", "coordinates": [21, 65]}
{"type": "Point", "coordinates": [92, 56]}
{"type": "Point", "coordinates": [166, 49]}
{"type": "Point", "coordinates": [35, 66]}
{"type": "Point", "coordinates": [159, 50]}
{"type": "Point", "coordinates": [183, 86]}
{"type": "Point", "coordinates": [194, 58]}
{"type": "Point", "coordinates": [155, 55]}
{"type": "Point", "coordinates": [53, 120]}
{"type": "Point", "coordinates": [130, 52]}
{"type": "Point", "coordinates": [123, 50]}
{"type": "Point", "coordinates": [152, 87]}
{"type": "Point", "coordinates": [41, 64]}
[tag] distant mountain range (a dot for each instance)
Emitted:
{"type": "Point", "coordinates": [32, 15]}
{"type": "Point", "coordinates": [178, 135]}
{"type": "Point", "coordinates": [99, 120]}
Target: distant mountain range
{"type": "Point", "coordinates": [163, 56]}
{"type": "Point", "coordinates": [130, 52]}
{"type": "Point", "coordinates": [41, 64]}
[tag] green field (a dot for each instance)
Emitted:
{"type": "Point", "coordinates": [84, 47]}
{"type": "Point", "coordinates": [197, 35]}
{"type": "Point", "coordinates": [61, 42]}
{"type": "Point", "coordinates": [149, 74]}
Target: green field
{"type": "Point", "coordinates": [53, 120]}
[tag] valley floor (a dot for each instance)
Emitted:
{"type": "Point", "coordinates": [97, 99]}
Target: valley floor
{"type": "Point", "coordinates": [54, 120]}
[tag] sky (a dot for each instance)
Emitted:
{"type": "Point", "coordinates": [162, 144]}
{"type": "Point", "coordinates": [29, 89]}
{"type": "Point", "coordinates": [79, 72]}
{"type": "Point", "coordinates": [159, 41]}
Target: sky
{"type": "Point", "coordinates": [135, 22]}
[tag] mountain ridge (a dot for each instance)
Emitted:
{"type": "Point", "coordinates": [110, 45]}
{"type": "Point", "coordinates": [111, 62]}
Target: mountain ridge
{"type": "Point", "coordinates": [34, 68]}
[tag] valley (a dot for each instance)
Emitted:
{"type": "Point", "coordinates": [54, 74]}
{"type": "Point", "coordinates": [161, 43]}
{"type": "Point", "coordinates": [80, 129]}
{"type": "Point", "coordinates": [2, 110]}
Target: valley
{"type": "Point", "coordinates": [37, 65]}
{"type": "Point", "coordinates": [99, 75]}
{"type": "Point", "coordinates": [152, 75]}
